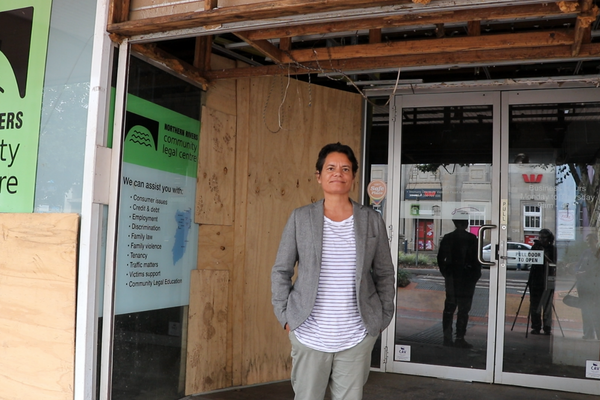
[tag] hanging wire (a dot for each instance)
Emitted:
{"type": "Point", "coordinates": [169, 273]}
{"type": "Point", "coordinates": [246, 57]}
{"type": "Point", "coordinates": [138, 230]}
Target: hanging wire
{"type": "Point", "coordinates": [395, 88]}
{"type": "Point", "coordinates": [327, 72]}
{"type": "Point", "coordinates": [340, 72]}
{"type": "Point", "coordinates": [280, 114]}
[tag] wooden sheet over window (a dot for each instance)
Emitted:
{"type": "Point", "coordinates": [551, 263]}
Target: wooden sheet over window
{"type": "Point", "coordinates": [37, 305]}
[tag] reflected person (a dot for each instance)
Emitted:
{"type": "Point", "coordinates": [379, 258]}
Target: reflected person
{"type": "Point", "coordinates": [458, 263]}
{"type": "Point", "coordinates": [343, 296]}
{"type": "Point", "coordinates": [540, 294]}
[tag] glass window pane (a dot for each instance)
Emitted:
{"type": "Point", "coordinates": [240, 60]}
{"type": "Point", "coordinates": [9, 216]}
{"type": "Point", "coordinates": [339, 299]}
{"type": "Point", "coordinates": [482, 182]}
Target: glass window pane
{"type": "Point", "coordinates": [156, 239]}
{"type": "Point", "coordinates": [65, 107]}
{"type": "Point", "coordinates": [446, 170]}
{"type": "Point", "coordinates": [553, 164]}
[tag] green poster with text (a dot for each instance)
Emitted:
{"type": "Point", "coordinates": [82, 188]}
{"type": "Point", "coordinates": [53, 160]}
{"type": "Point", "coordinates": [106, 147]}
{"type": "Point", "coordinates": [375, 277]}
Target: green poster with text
{"type": "Point", "coordinates": [156, 248]}
{"type": "Point", "coordinates": [159, 138]}
{"type": "Point", "coordinates": [24, 27]}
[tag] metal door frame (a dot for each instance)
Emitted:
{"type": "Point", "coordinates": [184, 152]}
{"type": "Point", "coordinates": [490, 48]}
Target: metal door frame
{"type": "Point", "coordinates": [578, 385]}
{"type": "Point", "coordinates": [501, 101]}
{"type": "Point", "coordinates": [393, 213]}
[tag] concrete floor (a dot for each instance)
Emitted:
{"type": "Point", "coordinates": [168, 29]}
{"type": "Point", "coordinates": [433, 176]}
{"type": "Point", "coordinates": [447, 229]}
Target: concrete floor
{"type": "Point", "coordinates": [384, 386]}
{"type": "Point", "coordinates": [528, 354]}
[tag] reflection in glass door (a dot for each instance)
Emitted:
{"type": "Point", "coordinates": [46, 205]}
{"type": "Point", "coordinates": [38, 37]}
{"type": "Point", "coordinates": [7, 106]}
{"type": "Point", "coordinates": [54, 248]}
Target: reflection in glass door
{"type": "Point", "coordinates": [446, 186]}
{"type": "Point", "coordinates": [532, 169]}
{"type": "Point", "coordinates": [552, 315]}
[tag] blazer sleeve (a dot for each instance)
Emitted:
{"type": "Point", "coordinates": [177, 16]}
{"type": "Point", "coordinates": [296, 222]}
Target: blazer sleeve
{"type": "Point", "coordinates": [383, 274]}
{"type": "Point", "coordinates": [283, 270]}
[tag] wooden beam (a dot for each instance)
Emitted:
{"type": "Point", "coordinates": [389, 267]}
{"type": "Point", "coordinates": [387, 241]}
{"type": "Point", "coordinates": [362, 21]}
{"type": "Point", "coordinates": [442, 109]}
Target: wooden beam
{"type": "Point", "coordinates": [375, 36]}
{"type": "Point", "coordinates": [430, 46]}
{"type": "Point", "coordinates": [586, 6]}
{"type": "Point", "coordinates": [210, 4]}
{"type": "Point", "coordinates": [440, 30]}
{"type": "Point", "coordinates": [285, 44]}
{"type": "Point", "coordinates": [474, 28]}
{"type": "Point", "coordinates": [415, 60]}
{"type": "Point", "coordinates": [118, 11]}
{"type": "Point", "coordinates": [264, 47]}
{"type": "Point", "coordinates": [584, 21]}
{"type": "Point", "coordinates": [155, 54]}
{"type": "Point", "coordinates": [203, 52]}
{"type": "Point", "coordinates": [242, 12]}
{"type": "Point", "coordinates": [483, 14]}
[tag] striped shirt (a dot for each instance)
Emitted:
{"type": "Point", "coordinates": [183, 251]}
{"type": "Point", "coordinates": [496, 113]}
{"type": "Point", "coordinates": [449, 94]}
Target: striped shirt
{"type": "Point", "coordinates": [335, 323]}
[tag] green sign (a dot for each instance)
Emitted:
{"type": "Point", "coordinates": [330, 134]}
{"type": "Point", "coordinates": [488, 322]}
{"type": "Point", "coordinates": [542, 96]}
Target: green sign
{"type": "Point", "coordinates": [158, 138]}
{"type": "Point", "coordinates": [24, 26]}
{"type": "Point", "coordinates": [157, 235]}
{"type": "Point", "coordinates": [415, 209]}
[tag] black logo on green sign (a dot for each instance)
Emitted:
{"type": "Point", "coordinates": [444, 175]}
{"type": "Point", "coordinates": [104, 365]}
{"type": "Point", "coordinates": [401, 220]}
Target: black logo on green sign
{"type": "Point", "coordinates": [15, 45]}
{"type": "Point", "coordinates": [141, 131]}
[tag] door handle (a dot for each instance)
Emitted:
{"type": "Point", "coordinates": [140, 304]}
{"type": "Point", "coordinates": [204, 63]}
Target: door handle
{"type": "Point", "coordinates": [483, 228]}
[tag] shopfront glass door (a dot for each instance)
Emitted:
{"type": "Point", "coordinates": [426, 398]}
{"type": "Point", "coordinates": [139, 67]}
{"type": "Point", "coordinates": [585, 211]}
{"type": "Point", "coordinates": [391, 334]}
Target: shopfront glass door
{"type": "Point", "coordinates": [445, 171]}
{"type": "Point", "coordinates": [523, 175]}
{"type": "Point", "coordinates": [551, 330]}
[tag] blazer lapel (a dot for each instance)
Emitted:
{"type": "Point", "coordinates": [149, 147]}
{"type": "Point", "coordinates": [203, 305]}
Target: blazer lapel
{"type": "Point", "coordinates": [316, 221]}
{"type": "Point", "coordinates": [360, 229]}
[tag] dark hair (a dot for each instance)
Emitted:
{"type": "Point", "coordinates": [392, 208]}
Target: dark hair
{"type": "Point", "coordinates": [547, 233]}
{"type": "Point", "coordinates": [461, 223]}
{"type": "Point", "coordinates": [336, 148]}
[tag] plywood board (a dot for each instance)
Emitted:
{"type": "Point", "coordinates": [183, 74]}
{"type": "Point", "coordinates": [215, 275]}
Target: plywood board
{"type": "Point", "coordinates": [216, 167]}
{"type": "Point", "coordinates": [38, 270]}
{"type": "Point", "coordinates": [207, 332]}
{"type": "Point", "coordinates": [281, 177]}
{"type": "Point", "coordinates": [216, 251]}
{"type": "Point", "coordinates": [215, 247]}
{"type": "Point", "coordinates": [140, 9]}
{"type": "Point", "coordinates": [241, 225]}
{"type": "Point", "coordinates": [222, 93]}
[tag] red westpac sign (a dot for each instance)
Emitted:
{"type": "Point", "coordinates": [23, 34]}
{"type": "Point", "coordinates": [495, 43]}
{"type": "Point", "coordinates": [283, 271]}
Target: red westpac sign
{"type": "Point", "coordinates": [533, 178]}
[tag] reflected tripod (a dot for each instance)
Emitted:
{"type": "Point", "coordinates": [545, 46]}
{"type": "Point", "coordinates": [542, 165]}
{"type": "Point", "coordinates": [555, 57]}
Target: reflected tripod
{"type": "Point", "coordinates": [546, 299]}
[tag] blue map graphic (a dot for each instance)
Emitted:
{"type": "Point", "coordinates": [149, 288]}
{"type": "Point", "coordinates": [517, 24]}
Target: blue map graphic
{"type": "Point", "coordinates": [184, 222]}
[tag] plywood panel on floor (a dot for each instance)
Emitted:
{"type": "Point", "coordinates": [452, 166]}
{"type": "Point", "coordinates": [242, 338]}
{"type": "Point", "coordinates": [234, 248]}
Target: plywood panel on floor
{"type": "Point", "coordinates": [207, 332]}
{"type": "Point", "coordinates": [38, 271]}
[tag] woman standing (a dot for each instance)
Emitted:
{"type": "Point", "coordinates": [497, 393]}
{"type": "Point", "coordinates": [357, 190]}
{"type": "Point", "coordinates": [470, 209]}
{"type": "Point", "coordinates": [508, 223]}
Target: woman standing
{"type": "Point", "coordinates": [343, 296]}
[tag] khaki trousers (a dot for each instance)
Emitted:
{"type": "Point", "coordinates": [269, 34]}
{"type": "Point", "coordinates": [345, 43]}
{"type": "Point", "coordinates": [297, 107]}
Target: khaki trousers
{"type": "Point", "coordinates": [345, 372]}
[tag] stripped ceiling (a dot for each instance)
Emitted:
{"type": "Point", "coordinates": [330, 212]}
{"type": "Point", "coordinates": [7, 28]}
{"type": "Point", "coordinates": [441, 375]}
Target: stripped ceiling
{"type": "Point", "coordinates": [357, 45]}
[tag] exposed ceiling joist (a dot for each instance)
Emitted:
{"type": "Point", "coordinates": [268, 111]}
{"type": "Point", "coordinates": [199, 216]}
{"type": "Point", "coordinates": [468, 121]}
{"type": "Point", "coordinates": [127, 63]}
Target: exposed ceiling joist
{"type": "Point", "coordinates": [264, 47]}
{"type": "Point", "coordinates": [432, 46]}
{"type": "Point", "coordinates": [548, 10]}
{"type": "Point", "coordinates": [254, 11]}
{"type": "Point", "coordinates": [414, 60]}
{"type": "Point", "coordinates": [583, 23]}
{"type": "Point", "coordinates": [432, 40]}
{"type": "Point", "coordinates": [203, 52]}
{"type": "Point", "coordinates": [161, 57]}
{"type": "Point", "coordinates": [329, 11]}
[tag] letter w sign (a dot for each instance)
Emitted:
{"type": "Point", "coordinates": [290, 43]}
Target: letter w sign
{"type": "Point", "coordinates": [532, 178]}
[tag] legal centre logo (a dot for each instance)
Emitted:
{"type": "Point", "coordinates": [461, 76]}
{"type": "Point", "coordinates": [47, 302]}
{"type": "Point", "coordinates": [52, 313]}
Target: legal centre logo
{"type": "Point", "coordinates": [141, 131]}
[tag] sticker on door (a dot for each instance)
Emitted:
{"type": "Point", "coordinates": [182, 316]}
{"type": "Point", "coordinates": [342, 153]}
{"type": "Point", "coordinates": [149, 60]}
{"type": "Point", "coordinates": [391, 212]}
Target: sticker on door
{"type": "Point", "coordinates": [402, 353]}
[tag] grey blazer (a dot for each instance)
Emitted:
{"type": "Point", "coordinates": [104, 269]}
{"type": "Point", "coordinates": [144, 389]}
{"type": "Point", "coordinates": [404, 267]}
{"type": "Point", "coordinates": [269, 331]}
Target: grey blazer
{"type": "Point", "coordinates": [301, 243]}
